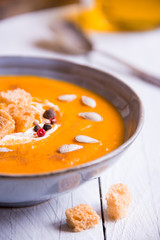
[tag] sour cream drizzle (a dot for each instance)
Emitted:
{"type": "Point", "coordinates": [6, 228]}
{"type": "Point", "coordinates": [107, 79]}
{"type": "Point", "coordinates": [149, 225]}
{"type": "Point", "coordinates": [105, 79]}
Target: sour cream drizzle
{"type": "Point", "coordinates": [5, 150]}
{"type": "Point", "coordinates": [29, 135]}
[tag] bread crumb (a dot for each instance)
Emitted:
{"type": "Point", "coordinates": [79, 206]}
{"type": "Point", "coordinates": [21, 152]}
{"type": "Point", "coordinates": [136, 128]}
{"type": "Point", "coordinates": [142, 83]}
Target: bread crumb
{"type": "Point", "coordinates": [23, 116]}
{"type": "Point", "coordinates": [16, 96]}
{"type": "Point", "coordinates": [118, 200]}
{"type": "Point", "coordinates": [7, 124]}
{"type": "Point", "coordinates": [23, 111]}
{"type": "Point", "coordinates": [3, 106]}
{"type": "Point", "coordinates": [81, 217]}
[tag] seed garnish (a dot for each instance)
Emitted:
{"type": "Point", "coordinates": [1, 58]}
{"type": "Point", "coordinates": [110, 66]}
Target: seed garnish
{"type": "Point", "coordinates": [90, 102]}
{"type": "Point", "coordinates": [53, 120]}
{"type": "Point", "coordinates": [67, 97]}
{"type": "Point", "coordinates": [91, 116]}
{"type": "Point", "coordinates": [47, 126]}
{"type": "Point", "coordinates": [36, 122]}
{"type": "Point", "coordinates": [50, 113]}
{"type": "Point", "coordinates": [41, 132]}
{"type": "Point", "coordinates": [85, 139]}
{"type": "Point", "coordinates": [69, 148]}
{"type": "Point", "coordinates": [36, 128]}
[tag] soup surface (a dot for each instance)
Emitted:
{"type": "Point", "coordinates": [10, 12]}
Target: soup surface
{"type": "Point", "coordinates": [22, 154]}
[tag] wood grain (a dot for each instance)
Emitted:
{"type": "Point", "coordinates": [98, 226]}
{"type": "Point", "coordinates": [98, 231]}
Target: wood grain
{"type": "Point", "coordinates": [139, 167]}
{"type": "Point", "coordinates": [47, 220]}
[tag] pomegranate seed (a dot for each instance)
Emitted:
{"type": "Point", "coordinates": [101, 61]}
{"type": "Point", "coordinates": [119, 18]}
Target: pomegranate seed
{"type": "Point", "coordinates": [53, 120]}
{"type": "Point", "coordinates": [41, 132]}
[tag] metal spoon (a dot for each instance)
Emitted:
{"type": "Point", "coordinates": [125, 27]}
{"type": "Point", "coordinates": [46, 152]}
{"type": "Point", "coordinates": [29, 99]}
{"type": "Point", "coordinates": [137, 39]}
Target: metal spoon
{"type": "Point", "coordinates": [73, 40]}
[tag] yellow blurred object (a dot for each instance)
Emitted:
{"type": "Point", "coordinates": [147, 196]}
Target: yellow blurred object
{"type": "Point", "coordinates": [94, 20]}
{"type": "Point", "coordinates": [118, 15]}
{"type": "Point", "coordinates": [91, 18]}
{"type": "Point", "coordinates": [132, 14]}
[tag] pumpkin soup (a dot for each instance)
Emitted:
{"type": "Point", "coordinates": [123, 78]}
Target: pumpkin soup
{"type": "Point", "coordinates": [46, 125]}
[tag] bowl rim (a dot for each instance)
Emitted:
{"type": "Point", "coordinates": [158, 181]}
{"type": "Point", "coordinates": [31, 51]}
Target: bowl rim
{"type": "Point", "coordinates": [93, 162]}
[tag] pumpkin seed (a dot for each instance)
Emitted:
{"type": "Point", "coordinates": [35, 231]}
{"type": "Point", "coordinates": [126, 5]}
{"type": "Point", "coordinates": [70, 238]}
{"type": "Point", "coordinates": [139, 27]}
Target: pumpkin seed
{"type": "Point", "coordinates": [90, 102]}
{"type": "Point", "coordinates": [91, 116]}
{"type": "Point", "coordinates": [85, 139]}
{"type": "Point", "coordinates": [69, 148]}
{"type": "Point", "coordinates": [67, 97]}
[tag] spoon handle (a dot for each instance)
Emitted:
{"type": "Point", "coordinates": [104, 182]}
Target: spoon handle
{"type": "Point", "coordinates": [135, 71]}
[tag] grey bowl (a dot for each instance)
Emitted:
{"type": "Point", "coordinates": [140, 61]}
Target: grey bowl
{"type": "Point", "coordinates": [24, 190]}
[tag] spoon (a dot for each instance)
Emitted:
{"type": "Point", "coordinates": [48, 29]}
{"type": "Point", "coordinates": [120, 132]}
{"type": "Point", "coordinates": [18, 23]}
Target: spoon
{"type": "Point", "coordinates": [72, 40]}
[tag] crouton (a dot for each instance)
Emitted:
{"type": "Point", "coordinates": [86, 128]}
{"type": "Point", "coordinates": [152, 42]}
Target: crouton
{"type": "Point", "coordinates": [23, 116]}
{"type": "Point", "coordinates": [118, 200]}
{"type": "Point", "coordinates": [3, 106]}
{"type": "Point", "coordinates": [16, 96]}
{"type": "Point", "coordinates": [81, 217]}
{"type": "Point", "coordinates": [7, 124]}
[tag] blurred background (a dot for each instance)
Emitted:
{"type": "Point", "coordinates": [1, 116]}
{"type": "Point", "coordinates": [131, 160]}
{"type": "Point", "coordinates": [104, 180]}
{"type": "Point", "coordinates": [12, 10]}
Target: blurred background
{"type": "Point", "coordinates": [108, 34]}
{"type": "Point", "coordinates": [99, 15]}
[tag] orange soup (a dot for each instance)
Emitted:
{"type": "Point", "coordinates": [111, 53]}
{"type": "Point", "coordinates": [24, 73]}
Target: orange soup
{"type": "Point", "coordinates": [46, 125]}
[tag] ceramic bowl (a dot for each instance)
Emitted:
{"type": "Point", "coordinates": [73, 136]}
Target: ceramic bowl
{"type": "Point", "coordinates": [24, 190]}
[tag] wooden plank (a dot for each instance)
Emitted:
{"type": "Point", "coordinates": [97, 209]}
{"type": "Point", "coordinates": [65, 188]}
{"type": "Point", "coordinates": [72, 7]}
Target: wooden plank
{"type": "Point", "coordinates": [47, 220]}
{"type": "Point", "coordinates": [87, 193]}
{"type": "Point", "coordinates": [139, 168]}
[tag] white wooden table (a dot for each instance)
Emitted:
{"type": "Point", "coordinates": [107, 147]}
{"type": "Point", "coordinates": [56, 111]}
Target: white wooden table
{"type": "Point", "coordinates": [139, 168]}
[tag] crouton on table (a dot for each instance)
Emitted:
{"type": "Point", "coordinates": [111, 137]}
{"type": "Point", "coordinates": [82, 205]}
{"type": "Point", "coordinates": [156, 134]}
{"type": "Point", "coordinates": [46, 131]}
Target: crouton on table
{"type": "Point", "coordinates": [118, 200]}
{"type": "Point", "coordinates": [81, 217]}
